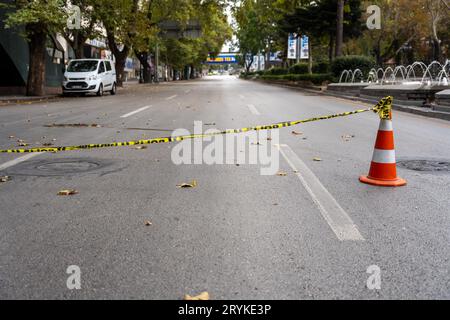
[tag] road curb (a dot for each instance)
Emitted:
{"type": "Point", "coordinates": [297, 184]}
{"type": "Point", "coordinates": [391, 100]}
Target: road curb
{"type": "Point", "coordinates": [27, 100]}
{"type": "Point", "coordinates": [400, 107]}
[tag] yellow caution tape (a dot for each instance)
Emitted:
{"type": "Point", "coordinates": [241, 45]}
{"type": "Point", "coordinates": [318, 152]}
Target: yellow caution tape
{"type": "Point", "coordinates": [383, 108]}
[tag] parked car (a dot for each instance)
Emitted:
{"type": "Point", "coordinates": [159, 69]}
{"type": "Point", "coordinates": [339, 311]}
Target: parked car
{"type": "Point", "coordinates": [90, 76]}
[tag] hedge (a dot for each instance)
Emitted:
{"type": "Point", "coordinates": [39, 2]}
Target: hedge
{"type": "Point", "coordinates": [316, 79]}
{"type": "Point", "coordinates": [321, 67]}
{"type": "Point", "coordinates": [299, 68]}
{"type": "Point", "coordinates": [352, 63]}
{"type": "Point", "coordinates": [275, 71]}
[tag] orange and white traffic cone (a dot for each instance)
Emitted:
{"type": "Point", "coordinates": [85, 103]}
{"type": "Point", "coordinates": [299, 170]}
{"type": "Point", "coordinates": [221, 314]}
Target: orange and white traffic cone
{"type": "Point", "coordinates": [383, 169]}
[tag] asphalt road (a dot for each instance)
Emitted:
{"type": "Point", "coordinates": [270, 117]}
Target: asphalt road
{"type": "Point", "coordinates": [238, 234]}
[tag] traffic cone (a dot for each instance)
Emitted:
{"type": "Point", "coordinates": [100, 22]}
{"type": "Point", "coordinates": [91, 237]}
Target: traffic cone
{"type": "Point", "coordinates": [383, 169]}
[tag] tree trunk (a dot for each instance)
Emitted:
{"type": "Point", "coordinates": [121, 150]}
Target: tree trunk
{"type": "Point", "coordinates": [192, 71]}
{"type": "Point", "coordinates": [147, 70]}
{"type": "Point", "coordinates": [310, 60]}
{"type": "Point", "coordinates": [121, 56]}
{"type": "Point", "coordinates": [340, 28]}
{"type": "Point", "coordinates": [79, 46]}
{"type": "Point", "coordinates": [331, 48]}
{"type": "Point", "coordinates": [120, 70]}
{"type": "Point", "coordinates": [248, 64]}
{"type": "Point", "coordinates": [37, 50]}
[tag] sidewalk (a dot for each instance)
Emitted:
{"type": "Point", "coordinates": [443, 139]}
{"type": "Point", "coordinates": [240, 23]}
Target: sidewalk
{"type": "Point", "coordinates": [19, 99]}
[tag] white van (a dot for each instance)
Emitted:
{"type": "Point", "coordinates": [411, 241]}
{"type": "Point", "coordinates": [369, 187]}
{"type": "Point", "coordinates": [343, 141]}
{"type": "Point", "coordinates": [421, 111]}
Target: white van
{"type": "Point", "coordinates": [90, 76]}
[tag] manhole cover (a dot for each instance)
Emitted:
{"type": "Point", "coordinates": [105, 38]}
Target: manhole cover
{"type": "Point", "coordinates": [425, 165]}
{"type": "Point", "coordinates": [68, 167]}
{"type": "Point", "coordinates": [58, 167]}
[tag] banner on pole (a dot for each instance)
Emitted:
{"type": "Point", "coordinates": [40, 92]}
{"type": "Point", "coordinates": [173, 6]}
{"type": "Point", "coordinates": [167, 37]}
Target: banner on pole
{"type": "Point", "coordinates": [304, 48]}
{"type": "Point", "coordinates": [292, 46]}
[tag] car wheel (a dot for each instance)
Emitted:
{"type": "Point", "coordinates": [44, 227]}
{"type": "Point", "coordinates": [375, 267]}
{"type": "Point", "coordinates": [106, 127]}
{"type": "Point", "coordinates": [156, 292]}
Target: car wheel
{"type": "Point", "coordinates": [100, 90]}
{"type": "Point", "coordinates": [114, 89]}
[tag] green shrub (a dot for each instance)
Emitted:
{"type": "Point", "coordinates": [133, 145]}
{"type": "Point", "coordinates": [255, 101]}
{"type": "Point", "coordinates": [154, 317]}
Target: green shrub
{"type": "Point", "coordinates": [321, 67]}
{"type": "Point", "coordinates": [317, 79]}
{"type": "Point", "coordinates": [299, 68]}
{"type": "Point", "coordinates": [352, 63]}
{"type": "Point", "coordinates": [276, 71]}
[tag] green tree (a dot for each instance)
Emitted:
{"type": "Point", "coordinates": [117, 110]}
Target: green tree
{"type": "Point", "coordinates": [251, 31]}
{"type": "Point", "coordinates": [38, 19]}
{"type": "Point", "coordinates": [119, 20]}
{"type": "Point", "coordinates": [90, 26]}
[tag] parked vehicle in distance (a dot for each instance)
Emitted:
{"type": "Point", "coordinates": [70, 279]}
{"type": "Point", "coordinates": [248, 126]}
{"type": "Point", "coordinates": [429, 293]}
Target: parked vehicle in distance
{"type": "Point", "coordinates": [90, 76]}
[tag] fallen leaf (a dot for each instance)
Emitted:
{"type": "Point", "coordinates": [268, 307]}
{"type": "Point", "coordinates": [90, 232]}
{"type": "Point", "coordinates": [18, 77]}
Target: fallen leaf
{"type": "Point", "coordinates": [269, 139]}
{"type": "Point", "coordinates": [67, 192]}
{"type": "Point", "coordinates": [281, 174]}
{"type": "Point", "coordinates": [193, 184]}
{"type": "Point", "coordinates": [22, 144]}
{"type": "Point", "coordinates": [296, 133]}
{"type": "Point", "coordinates": [4, 178]}
{"type": "Point", "coordinates": [201, 296]}
{"type": "Point", "coordinates": [140, 147]}
{"type": "Point", "coordinates": [11, 137]}
{"type": "Point", "coordinates": [347, 137]}
{"type": "Point", "coordinates": [148, 223]}
{"type": "Point", "coordinates": [317, 159]}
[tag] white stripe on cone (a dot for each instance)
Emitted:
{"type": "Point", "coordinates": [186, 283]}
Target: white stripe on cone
{"type": "Point", "coordinates": [386, 125]}
{"type": "Point", "coordinates": [384, 156]}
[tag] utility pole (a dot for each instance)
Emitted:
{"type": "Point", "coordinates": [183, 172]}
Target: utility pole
{"type": "Point", "coordinates": [157, 63]}
{"type": "Point", "coordinates": [340, 28]}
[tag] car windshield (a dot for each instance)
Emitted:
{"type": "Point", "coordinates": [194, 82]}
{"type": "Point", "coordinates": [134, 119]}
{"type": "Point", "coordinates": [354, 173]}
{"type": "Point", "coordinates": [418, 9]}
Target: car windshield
{"type": "Point", "coordinates": [83, 66]}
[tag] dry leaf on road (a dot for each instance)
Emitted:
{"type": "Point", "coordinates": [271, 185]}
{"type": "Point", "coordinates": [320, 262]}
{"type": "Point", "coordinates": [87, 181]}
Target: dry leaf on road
{"type": "Point", "coordinates": [201, 296]}
{"type": "Point", "coordinates": [281, 173]}
{"type": "Point", "coordinates": [347, 137]}
{"type": "Point", "coordinates": [68, 192]}
{"type": "Point", "coordinates": [193, 184]}
{"type": "Point", "coordinates": [317, 159]}
{"type": "Point", "coordinates": [4, 178]}
{"type": "Point", "coordinates": [148, 223]}
{"type": "Point", "coordinates": [140, 147]}
{"type": "Point", "coordinates": [296, 133]}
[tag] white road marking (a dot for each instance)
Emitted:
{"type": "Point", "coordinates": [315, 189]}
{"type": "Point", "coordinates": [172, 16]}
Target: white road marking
{"type": "Point", "coordinates": [135, 111]}
{"type": "Point", "coordinates": [253, 110]}
{"type": "Point", "coordinates": [172, 97]}
{"type": "Point", "coordinates": [339, 221]}
{"type": "Point", "coordinates": [18, 160]}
